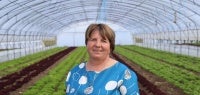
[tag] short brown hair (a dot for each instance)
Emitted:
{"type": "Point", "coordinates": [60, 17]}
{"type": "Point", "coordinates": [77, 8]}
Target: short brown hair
{"type": "Point", "coordinates": [104, 30]}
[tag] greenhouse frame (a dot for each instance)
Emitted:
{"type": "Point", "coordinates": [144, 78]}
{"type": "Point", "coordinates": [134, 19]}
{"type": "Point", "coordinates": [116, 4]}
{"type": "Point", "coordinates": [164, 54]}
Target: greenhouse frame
{"type": "Point", "coordinates": [32, 26]}
{"type": "Point", "coordinates": [169, 25]}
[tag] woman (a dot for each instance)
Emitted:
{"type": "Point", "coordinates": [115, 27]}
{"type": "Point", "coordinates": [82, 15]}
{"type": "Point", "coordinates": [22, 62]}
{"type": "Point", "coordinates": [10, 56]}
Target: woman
{"type": "Point", "coordinates": [101, 75]}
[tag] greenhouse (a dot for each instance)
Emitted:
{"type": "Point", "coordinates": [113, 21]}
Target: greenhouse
{"type": "Point", "coordinates": [42, 40]}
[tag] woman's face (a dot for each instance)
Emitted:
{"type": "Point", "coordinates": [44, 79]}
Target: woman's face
{"type": "Point", "coordinates": [98, 48]}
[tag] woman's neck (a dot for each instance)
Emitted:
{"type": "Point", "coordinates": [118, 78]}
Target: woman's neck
{"type": "Point", "coordinates": [97, 65]}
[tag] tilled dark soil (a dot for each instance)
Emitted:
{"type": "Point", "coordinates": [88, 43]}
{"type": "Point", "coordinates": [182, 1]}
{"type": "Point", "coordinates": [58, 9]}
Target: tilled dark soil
{"type": "Point", "coordinates": [149, 84]}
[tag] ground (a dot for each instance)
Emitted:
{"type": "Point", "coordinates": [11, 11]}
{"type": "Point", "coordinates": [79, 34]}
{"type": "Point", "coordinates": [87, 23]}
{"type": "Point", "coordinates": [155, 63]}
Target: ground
{"type": "Point", "coordinates": [165, 86]}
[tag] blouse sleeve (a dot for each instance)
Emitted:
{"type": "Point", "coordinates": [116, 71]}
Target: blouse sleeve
{"type": "Point", "coordinates": [129, 85]}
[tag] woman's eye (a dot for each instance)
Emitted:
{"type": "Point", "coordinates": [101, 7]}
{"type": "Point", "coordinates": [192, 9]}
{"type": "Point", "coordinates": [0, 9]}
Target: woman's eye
{"type": "Point", "coordinates": [105, 41]}
{"type": "Point", "coordinates": [92, 39]}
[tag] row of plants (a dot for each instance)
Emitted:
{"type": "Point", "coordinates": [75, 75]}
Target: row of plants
{"type": "Point", "coordinates": [12, 66]}
{"type": "Point", "coordinates": [187, 62]}
{"type": "Point", "coordinates": [54, 82]}
{"type": "Point", "coordinates": [182, 78]}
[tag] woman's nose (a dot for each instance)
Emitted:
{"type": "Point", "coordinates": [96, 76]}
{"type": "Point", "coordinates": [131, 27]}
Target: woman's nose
{"type": "Point", "coordinates": [98, 43]}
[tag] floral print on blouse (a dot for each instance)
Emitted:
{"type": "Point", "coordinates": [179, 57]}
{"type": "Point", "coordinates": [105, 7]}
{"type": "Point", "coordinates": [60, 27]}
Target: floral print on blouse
{"type": "Point", "coordinates": [115, 80]}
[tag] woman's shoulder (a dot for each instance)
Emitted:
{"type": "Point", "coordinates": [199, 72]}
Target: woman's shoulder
{"type": "Point", "coordinates": [78, 67]}
{"type": "Point", "coordinates": [124, 68]}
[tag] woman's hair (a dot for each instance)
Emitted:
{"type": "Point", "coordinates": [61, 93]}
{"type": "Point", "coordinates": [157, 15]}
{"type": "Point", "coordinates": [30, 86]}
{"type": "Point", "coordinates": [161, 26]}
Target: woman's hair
{"type": "Point", "coordinates": [104, 30]}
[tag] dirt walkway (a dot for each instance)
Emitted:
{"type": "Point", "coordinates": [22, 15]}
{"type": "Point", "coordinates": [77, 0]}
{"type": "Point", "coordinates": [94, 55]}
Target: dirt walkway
{"type": "Point", "coordinates": [35, 79]}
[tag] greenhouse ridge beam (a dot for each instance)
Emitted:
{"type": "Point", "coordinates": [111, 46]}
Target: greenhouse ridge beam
{"type": "Point", "coordinates": [102, 12]}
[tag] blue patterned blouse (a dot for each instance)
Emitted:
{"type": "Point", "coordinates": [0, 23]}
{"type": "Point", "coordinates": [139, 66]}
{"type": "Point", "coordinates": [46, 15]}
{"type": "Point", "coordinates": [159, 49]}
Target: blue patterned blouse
{"type": "Point", "coordinates": [115, 80]}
